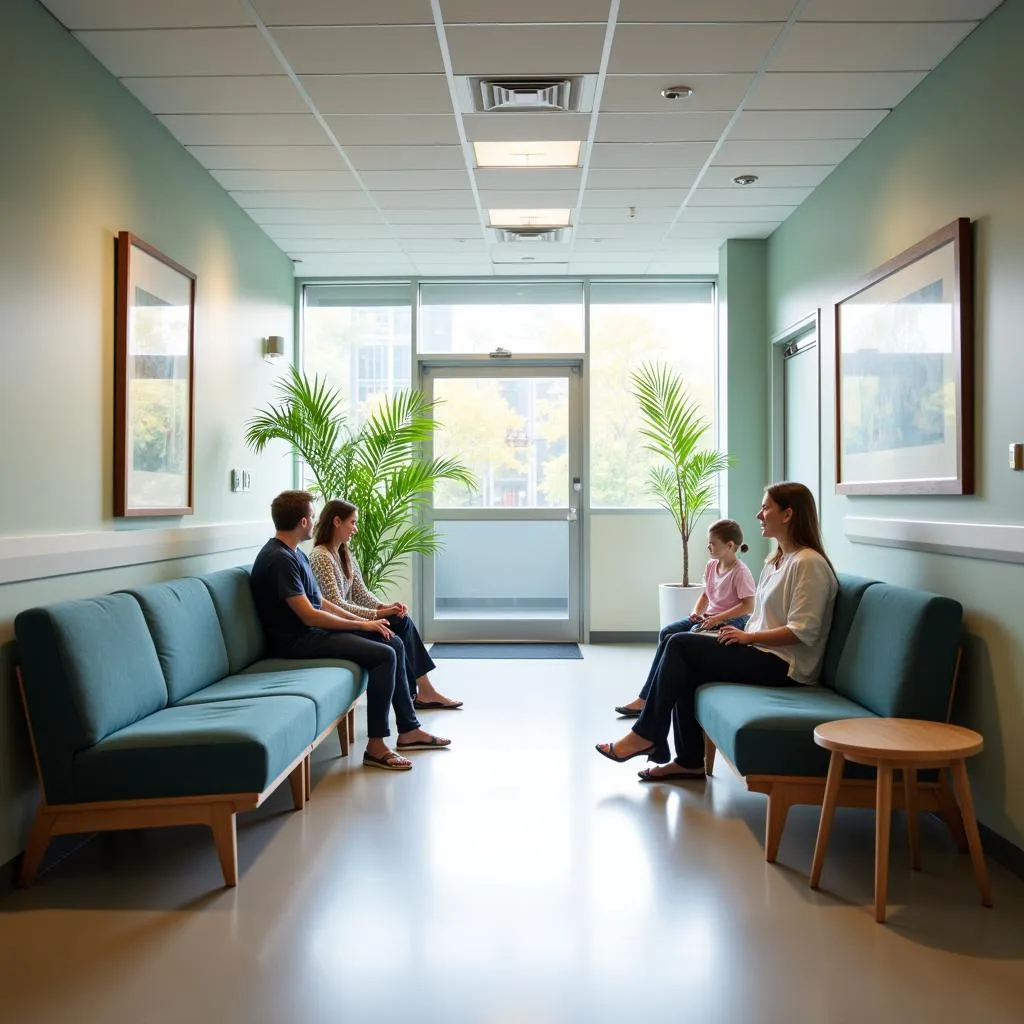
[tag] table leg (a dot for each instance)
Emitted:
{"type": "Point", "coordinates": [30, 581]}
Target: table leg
{"type": "Point", "coordinates": [910, 796]}
{"type": "Point", "coordinates": [828, 810]}
{"type": "Point", "coordinates": [883, 820]}
{"type": "Point", "coordinates": [962, 787]}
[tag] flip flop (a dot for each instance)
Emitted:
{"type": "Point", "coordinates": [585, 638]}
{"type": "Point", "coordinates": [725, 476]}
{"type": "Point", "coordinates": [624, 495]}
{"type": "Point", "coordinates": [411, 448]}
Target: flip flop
{"type": "Point", "coordinates": [693, 774]}
{"type": "Point", "coordinates": [433, 743]}
{"type": "Point", "coordinates": [390, 762]}
{"type": "Point", "coordinates": [612, 756]}
{"type": "Point", "coordinates": [436, 705]}
{"type": "Point", "coordinates": [629, 712]}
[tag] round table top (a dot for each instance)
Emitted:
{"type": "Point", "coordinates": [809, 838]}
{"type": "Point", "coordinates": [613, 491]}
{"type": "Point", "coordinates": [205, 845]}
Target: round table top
{"type": "Point", "coordinates": [898, 739]}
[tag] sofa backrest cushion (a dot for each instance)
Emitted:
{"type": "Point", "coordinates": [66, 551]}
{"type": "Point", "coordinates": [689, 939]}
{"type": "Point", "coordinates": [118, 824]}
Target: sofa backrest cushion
{"type": "Point", "coordinates": [851, 590]}
{"type": "Point", "coordinates": [232, 597]}
{"type": "Point", "coordinates": [88, 668]}
{"type": "Point", "coordinates": [186, 633]}
{"type": "Point", "coordinates": [900, 653]}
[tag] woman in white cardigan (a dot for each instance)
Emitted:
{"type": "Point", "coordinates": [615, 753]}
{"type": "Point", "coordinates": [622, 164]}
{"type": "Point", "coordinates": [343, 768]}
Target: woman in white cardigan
{"type": "Point", "coordinates": [342, 583]}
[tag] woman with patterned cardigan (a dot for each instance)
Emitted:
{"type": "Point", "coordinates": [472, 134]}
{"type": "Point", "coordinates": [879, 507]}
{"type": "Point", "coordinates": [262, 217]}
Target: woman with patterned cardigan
{"type": "Point", "coordinates": [342, 583]}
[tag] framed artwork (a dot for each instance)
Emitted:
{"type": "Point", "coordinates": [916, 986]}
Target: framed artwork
{"type": "Point", "coordinates": [154, 319]}
{"type": "Point", "coordinates": [904, 372]}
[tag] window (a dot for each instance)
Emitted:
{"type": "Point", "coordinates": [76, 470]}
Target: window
{"type": "Point", "coordinates": [477, 318]}
{"type": "Point", "coordinates": [632, 323]}
{"type": "Point", "coordinates": [358, 337]}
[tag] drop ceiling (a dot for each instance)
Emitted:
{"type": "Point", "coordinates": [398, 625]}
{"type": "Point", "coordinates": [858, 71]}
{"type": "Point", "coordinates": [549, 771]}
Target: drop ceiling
{"type": "Point", "coordinates": [339, 125]}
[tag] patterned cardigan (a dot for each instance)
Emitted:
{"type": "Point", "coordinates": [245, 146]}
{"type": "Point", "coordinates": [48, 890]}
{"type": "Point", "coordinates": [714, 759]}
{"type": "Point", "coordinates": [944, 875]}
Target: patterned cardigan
{"type": "Point", "coordinates": [352, 594]}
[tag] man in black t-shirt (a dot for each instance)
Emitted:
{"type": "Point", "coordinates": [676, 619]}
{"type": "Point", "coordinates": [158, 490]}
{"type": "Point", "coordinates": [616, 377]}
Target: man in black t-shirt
{"type": "Point", "coordinates": [300, 623]}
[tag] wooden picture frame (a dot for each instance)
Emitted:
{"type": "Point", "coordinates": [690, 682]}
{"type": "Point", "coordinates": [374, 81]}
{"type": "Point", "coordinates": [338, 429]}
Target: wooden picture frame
{"type": "Point", "coordinates": [154, 374]}
{"type": "Point", "coordinates": [905, 372]}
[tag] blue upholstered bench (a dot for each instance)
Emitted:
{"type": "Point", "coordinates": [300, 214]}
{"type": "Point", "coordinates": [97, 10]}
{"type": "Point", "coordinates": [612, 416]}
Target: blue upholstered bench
{"type": "Point", "coordinates": [156, 707]}
{"type": "Point", "coordinates": [892, 652]}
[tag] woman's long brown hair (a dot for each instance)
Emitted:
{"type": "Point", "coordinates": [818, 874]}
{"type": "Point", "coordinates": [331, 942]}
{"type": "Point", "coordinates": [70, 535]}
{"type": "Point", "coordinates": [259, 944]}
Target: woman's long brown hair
{"type": "Point", "coordinates": [804, 530]}
{"type": "Point", "coordinates": [325, 528]}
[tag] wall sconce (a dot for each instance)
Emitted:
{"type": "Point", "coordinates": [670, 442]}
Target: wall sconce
{"type": "Point", "coordinates": [273, 349]}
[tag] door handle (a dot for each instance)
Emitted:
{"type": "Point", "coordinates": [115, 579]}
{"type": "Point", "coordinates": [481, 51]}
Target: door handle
{"type": "Point", "coordinates": [572, 515]}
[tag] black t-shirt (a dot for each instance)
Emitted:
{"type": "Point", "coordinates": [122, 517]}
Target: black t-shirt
{"type": "Point", "coordinates": [277, 574]}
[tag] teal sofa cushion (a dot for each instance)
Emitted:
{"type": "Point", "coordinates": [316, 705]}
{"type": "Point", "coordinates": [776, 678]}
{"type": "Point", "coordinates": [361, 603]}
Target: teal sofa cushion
{"type": "Point", "coordinates": [239, 623]}
{"type": "Point", "coordinates": [232, 746]}
{"type": "Point", "coordinates": [88, 668]}
{"type": "Point", "coordinates": [766, 730]}
{"type": "Point", "coordinates": [900, 653]}
{"type": "Point", "coordinates": [332, 690]}
{"type": "Point", "coordinates": [186, 633]}
{"type": "Point", "coordinates": [851, 590]}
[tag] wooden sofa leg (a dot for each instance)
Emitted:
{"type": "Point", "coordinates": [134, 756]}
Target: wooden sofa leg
{"type": "Point", "coordinates": [297, 780]}
{"type": "Point", "coordinates": [351, 716]}
{"type": "Point", "coordinates": [709, 755]}
{"type": "Point", "coordinates": [950, 811]}
{"type": "Point", "coordinates": [222, 823]}
{"type": "Point", "coordinates": [307, 777]}
{"type": "Point", "coordinates": [343, 735]}
{"type": "Point", "coordinates": [778, 808]}
{"type": "Point", "coordinates": [38, 841]}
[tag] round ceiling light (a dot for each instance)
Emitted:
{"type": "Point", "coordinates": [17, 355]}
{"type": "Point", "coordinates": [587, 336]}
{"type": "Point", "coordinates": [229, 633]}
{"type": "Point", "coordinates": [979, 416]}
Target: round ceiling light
{"type": "Point", "coordinates": [677, 92]}
{"type": "Point", "coordinates": [745, 179]}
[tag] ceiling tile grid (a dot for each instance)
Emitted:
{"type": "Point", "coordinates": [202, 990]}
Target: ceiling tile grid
{"type": "Point", "coordinates": [346, 130]}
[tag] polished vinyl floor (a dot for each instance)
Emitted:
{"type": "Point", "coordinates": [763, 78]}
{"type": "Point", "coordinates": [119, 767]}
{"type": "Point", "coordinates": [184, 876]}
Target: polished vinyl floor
{"type": "Point", "coordinates": [518, 878]}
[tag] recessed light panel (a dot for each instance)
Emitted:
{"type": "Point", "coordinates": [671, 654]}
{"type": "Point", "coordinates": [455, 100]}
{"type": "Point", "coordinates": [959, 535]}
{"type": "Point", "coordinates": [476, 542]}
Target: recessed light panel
{"type": "Point", "coordinates": [527, 154]}
{"type": "Point", "coordinates": [529, 218]}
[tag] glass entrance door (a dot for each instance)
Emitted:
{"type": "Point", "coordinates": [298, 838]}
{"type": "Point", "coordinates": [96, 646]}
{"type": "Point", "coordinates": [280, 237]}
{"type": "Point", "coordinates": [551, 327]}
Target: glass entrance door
{"type": "Point", "coordinates": [510, 565]}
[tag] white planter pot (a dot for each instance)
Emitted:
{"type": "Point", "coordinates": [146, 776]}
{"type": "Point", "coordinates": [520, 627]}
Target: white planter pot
{"type": "Point", "coordinates": [675, 602]}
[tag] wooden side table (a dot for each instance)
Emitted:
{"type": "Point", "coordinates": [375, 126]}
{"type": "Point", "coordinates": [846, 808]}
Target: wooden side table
{"type": "Point", "coordinates": [904, 744]}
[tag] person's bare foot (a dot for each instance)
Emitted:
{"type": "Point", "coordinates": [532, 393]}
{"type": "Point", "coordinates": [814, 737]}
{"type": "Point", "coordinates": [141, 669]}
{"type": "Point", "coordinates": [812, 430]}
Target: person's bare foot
{"type": "Point", "coordinates": [628, 746]}
{"type": "Point", "coordinates": [420, 739]}
{"type": "Point", "coordinates": [430, 699]}
{"type": "Point", "coordinates": [380, 755]}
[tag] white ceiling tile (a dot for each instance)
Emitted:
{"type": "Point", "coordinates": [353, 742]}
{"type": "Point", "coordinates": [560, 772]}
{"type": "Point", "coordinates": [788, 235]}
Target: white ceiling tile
{"type": "Point", "coordinates": [737, 195]}
{"type": "Point", "coordinates": [124, 14]}
{"type": "Point", "coordinates": [735, 214]}
{"type": "Point", "coordinates": [244, 129]}
{"type": "Point", "coordinates": [336, 200]}
{"type": "Point", "coordinates": [665, 154]}
{"type": "Point", "coordinates": [530, 269]}
{"type": "Point", "coordinates": [481, 268]}
{"type": "Point", "coordinates": [268, 158]}
{"type": "Point", "coordinates": [774, 125]}
{"type": "Point", "coordinates": [479, 12]}
{"type": "Point", "coordinates": [521, 50]}
{"type": "Point", "coordinates": [200, 51]}
{"type": "Point", "coordinates": [290, 181]}
{"type": "Point", "coordinates": [286, 232]}
{"type": "Point", "coordinates": [657, 178]}
{"type": "Point", "coordinates": [635, 197]}
{"type": "Point", "coordinates": [440, 199]}
{"type": "Point", "coordinates": [523, 179]}
{"type": "Point", "coordinates": [346, 245]}
{"type": "Point", "coordinates": [314, 264]}
{"type": "Point", "coordinates": [331, 12]}
{"type": "Point", "coordinates": [515, 199]}
{"type": "Point", "coordinates": [898, 10]}
{"type": "Point", "coordinates": [425, 130]}
{"type": "Point", "coordinates": [397, 158]}
{"type": "Point", "coordinates": [353, 51]}
{"type": "Point", "coordinates": [642, 217]}
{"type": "Point", "coordinates": [810, 151]}
{"type": "Point", "coordinates": [516, 127]}
{"type": "Point", "coordinates": [780, 90]}
{"type": "Point", "coordinates": [681, 127]}
{"type": "Point", "coordinates": [717, 229]}
{"type": "Point", "coordinates": [539, 252]}
{"type": "Point", "coordinates": [603, 253]}
{"type": "Point", "coordinates": [445, 247]}
{"type": "Point", "coordinates": [768, 176]}
{"type": "Point", "coordinates": [449, 228]}
{"type": "Point", "coordinates": [276, 215]}
{"type": "Point", "coordinates": [696, 49]}
{"type": "Point", "coordinates": [211, 94]}
{"type": "Point", "coordinates": [853, 47]}
{"type": "Point", "coordinates": [379, 94]}
{"type": "Point", "coordinates": [597, 247]}
{"type": "Point", "coordinates": [637, 93]}
{"type": "Point", "coordinates": [420, 181]}
{"type": "Point", "coordinates": [704, 10]}
{"type": "Point", "coordinates": [651, 233]}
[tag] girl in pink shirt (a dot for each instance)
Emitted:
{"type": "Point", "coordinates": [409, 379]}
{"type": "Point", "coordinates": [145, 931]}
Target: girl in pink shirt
{"type": "Point", "coordinates": [726, 600]}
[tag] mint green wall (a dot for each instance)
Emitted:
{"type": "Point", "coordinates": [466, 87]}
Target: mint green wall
{"type": "Point", "coordinates": [953, 148]}
{"type": "Point", "coordinates": [744, 384]}
{"type": "Point", "coordinates": [81, 160]}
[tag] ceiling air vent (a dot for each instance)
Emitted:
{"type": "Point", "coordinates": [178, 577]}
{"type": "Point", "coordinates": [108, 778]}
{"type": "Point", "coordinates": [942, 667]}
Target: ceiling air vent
{"type": "Point", "coordinates": [493, 94]}
{"type": "Point", "coordinates": [530, 235]}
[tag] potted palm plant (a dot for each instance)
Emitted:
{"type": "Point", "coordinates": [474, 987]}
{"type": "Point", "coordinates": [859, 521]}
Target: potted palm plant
{"type": "Point", "coordinates": [684, 479]}
{"type": "Point", "coordinates": [377, 467]}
